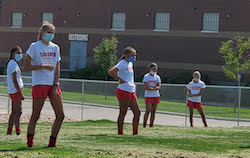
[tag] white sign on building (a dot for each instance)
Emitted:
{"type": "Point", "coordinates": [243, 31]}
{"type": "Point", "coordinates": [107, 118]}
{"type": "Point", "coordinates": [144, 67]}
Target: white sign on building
{"type": "Point", "coordinates": [78, 37]}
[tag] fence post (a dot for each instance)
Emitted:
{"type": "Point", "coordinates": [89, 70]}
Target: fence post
{"type": "Point", "coordinates": [239, 102]}
{"type": "Point", "coordinates": [82, 100]}
{"type": "Point", "coordinates": [186, 113]}
{"type": "Point", "coordinates": [105, 90]}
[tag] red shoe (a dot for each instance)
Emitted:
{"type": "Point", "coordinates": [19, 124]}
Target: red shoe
{"type": "Point", "coordinates": [9, 131]}
{"type": "Point", "coordinates": [120, 131]}
{"type": "Point", "coordinates": [135, 131]}
{"type": "Point", "coordinates": [52, 142]}
{"type": "Point", "coordinates": [30, 141]}
{"type": "Point", "coordinates": [18, 130]}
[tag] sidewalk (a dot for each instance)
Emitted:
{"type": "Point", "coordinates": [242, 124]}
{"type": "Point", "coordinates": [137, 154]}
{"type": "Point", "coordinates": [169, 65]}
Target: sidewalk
{"type": "Point", "coordinates": [92, 112]}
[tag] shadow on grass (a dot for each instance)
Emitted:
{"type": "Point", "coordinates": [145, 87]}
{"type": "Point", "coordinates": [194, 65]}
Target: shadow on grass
{"type": "Point", "coordinates": [22, 149]}
{"type": "Point", "coordinates": [244, 147]}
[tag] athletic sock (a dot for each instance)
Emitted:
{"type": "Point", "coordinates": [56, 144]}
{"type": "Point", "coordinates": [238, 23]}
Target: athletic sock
{"type": "Point", "coordinates": [9, 131]}
{"type": "Point", "coordinates": [144, 124]}
{"type": "Point", "coordinates": [30, 142]}
{"type": "Point", "coordinates": [18, 130]}
{"type": "Point", "coordinates": [52, 142]}
{"type": "Point", "coordinates": [151, 125]}
{"type": "Point", "coordinates": [120, 131]}
{"type": "Point", "coordinates": [135, 131]}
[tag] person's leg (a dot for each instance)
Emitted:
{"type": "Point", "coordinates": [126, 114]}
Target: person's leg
{"type": "Point", "coordinates": [122, 113]}
{"type": "Point", "coordinates": [11, 118]}
{"type": "Point", "coordinates": [152, 117]}
{"type": "Point", "coordinates": [134, 106]}
{"type": "Point", "coordinates": [191, 116]}
{"type": "Point", "coordinates": [148, 110]}
{"type": "Point", "coordinates": [18, 107]}
{"type": "Point", "coordinates": [36, 109]}
{"type": "Point", "coordinates": [200, 110]}
{"type": "Point", "coordinates": [56, 102]}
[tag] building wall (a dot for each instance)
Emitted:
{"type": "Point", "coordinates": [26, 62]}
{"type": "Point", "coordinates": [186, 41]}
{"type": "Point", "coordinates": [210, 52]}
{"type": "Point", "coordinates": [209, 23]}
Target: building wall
{"type": "Point", "coordinates": [183, 48]}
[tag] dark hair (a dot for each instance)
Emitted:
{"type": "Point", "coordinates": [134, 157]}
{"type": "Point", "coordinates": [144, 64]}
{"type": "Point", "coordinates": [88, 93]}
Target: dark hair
{"type": "Point", "coordinates": [127, 50]}
{"type": "Point", "coordinates": [13, 50]}
{"type": "Point", "coordinates": [153, 65]}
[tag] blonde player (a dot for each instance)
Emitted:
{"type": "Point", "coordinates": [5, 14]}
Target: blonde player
{"type": "Point", "coordinates": [15, 85]}
{"type": "Point", "coordinates": [125, 92]}
{"type": "Point", "coordinates": [194, 91]}
{"type": "Point", "coordinates": [152, 85]}
{"type": "Point", "coordinates": [43, 58]}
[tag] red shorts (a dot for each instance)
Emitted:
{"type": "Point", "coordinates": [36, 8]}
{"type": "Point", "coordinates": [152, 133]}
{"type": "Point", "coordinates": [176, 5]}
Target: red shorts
{"type": "Point", "coordinates": [152, 100]}
{"type": "Point", "coordinates": [43, 91]}
{"type": "Point", "coordinates": [15, 96]}
{"type": "Point", "coordinates": [124, 95]}
{"type": "Point", "coordinates": [196, 105]}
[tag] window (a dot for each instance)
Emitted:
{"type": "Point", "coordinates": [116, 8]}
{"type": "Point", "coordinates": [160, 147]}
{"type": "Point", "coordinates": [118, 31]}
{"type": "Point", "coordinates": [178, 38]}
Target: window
{"type": "Point", "coordinates": [17, 20]}
{"type": "Point", "coordinates": [47, 17]}
{"type": "Point", "coordinates": [118, 21]}
{"type": "Point", "coordinates": [162, 21]}
{"type": "Point", "coordinates": [210, 22]}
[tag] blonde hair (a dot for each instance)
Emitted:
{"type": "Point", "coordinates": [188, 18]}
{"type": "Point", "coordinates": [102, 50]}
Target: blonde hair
{"type": "Point", "coordinates": [45, 26]}
{"type": "Point", "coordinates": [197, 73]}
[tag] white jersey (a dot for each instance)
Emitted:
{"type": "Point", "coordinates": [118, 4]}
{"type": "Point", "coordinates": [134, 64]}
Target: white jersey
{"type": "Point", "coordinates": [11, 68]}
{"type": "Point", "coordinates": [43, 54]}
{"type": "Point", "coordinates": [195, 88]}
{"type": "Point", "coordinates": [152, 81]}
{"type": "Point", "coordinates": [126, 72]}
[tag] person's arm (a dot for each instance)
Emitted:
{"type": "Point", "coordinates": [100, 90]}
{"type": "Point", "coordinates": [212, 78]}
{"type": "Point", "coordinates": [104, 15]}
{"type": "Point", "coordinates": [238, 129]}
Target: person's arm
{"type": "Point", "coordinates": [28, 66]}
{"type": "Point", "coordinates": [113, 72]}
{"type": "Point", "coordinates": [199, 94]}
{"type": "Point", "coordinates": [147, 87]}
{"type": "Point", "coordinates": [14, 76]}
{"type": "Point", "coordinates": [56, 79]}
{"type": "Point", "coordinates": [187, 92]}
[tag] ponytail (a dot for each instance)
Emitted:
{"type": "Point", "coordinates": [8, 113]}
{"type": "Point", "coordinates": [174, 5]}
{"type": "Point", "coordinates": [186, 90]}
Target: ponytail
{"type": "Point", "coordinates": [13, 50]}
{"type": "Point", "coordinates": [127, 50]}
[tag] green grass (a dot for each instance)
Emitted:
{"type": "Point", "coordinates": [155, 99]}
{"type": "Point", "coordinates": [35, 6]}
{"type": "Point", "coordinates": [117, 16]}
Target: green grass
{"type": "Point", "coordinates": [226, 112]}
{"type": "Point", "coordinates": [99, 139]}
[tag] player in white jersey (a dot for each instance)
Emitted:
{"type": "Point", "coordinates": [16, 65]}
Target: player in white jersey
{"type": "Point", "coordinates": [15, 86]}
{"type": "Point", "coordinates": [194, 91]}
{"type": "Point", "coordinates": [125, 92]}
{"type": "Point", "coordinates": [152, 85]}
{"type": "Point", "coordinates": [43, 59]}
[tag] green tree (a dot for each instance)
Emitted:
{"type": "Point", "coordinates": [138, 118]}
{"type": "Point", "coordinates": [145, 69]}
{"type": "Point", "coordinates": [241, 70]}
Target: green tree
{"type": "Point", "coordinates": [235, 54]}
{"type": "Point", "coordinates": [105, 54]}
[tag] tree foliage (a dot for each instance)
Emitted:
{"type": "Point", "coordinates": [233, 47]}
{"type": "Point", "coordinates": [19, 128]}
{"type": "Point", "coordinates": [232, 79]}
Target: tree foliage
{"type": "Point", "coordinates": [105, 54]}
{"type": "Point", "coordinates": [236, 55]}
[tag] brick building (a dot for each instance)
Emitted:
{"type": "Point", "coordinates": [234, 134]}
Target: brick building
{"type": "Point", "coordinates": [179, 35]}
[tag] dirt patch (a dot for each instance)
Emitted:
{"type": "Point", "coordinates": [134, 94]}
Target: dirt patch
{"type": "Point", "coordinates": [26, 117]}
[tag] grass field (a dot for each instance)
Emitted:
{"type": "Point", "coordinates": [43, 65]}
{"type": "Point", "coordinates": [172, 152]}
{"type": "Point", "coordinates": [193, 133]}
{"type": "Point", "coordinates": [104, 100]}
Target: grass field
{"type": "Point", "coordinates": [99, 139]}
{"type": "Point", "coordinates": [225, 112]}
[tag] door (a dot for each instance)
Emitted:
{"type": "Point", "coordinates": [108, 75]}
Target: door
{"type": "Point", "coordinates": [78, 53]}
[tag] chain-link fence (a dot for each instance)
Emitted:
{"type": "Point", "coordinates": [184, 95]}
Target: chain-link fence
{"type": "Point", "coordinates": [220, 102]}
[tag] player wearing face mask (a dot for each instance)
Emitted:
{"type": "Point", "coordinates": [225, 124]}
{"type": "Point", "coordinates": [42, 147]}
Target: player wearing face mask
{"type": "Point", "coordinates": [124, 72]}
{"type": "Point", "coordinates": [15, 85]}
{"type": "Point", "coordinates": [194, 91]}
{"type": "Point", "coordinates": [152, 85]}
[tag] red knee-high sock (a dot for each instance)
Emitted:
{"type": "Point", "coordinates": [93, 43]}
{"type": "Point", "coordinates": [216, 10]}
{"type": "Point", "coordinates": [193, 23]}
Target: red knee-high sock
{"type": "Point", "coordinates": [151, 125]}
{"type": "Point", "coordinates": [144, 124]}
{"type": "Point", "coordinates": [18, 130]}
{"type": "Point", "coordinates": [52, 142]}
{"type": "Point", "coordinates": [9, 131]}
{"type": "Point", "coordinates": [120, 131]}
{"type": "Point", "coordinates": [30, 142]}
{"type": "Point", "coordinates": [135, 131]}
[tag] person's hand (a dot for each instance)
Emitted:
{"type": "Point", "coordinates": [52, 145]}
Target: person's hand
{"type": "Point", "coordinates": [122, 81]}
{"type": "Point", "coordinates": [22, 97]}
{"type": "Point", "coordinates": [48, 67]}
{"type": "Point", "coordinates": [54, 91]}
